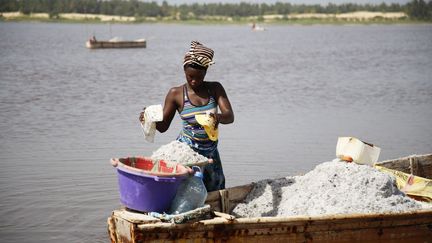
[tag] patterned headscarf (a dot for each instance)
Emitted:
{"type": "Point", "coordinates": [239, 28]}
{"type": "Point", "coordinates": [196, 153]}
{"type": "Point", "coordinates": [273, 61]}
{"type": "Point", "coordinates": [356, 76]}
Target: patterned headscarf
{"type": "Point", "coordinates": [199, 54]}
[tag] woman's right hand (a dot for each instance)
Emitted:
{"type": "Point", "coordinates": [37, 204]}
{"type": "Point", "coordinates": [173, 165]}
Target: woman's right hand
{"type": "Point", "coordinates": [141, 117]}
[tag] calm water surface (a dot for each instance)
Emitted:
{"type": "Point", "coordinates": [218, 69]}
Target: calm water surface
{"type": "Point", "coordinates": [65, 110]}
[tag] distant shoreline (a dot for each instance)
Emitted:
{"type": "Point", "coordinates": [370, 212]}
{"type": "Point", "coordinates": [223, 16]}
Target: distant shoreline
{"type": "Point", "coordinates": [361, 17]}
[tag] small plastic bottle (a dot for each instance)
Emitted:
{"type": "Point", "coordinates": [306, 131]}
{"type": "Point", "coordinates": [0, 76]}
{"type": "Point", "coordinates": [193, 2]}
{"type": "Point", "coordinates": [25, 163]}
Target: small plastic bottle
{"type": "Point", "coordinates": [191, 194]}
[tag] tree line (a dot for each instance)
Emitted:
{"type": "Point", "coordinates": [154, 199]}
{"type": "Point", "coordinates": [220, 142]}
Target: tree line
{"type": "Point", "coordinates": [416, 9]}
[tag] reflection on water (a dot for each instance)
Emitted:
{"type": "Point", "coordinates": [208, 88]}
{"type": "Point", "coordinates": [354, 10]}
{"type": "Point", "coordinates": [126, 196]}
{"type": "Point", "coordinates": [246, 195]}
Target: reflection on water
{"type": "Point", "coordinates": [65, 110]}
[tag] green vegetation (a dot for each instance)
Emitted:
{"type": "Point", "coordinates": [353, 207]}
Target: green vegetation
{"type": "Point", "coordinates": [419, 9]}
{"type": "Point", "coordinates": [416, 9]}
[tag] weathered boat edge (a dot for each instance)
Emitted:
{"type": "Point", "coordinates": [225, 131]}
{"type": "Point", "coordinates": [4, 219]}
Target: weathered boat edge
{"type": "Point", "coordinates": [399, 227]}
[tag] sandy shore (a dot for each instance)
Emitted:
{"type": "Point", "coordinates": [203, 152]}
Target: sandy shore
{"type": "Point", "coordinates": [76, 16]}
{"type": "Point", "coordinates": [361, 15]}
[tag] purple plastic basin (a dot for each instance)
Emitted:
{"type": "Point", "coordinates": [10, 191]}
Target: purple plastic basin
{"type": "Point", "coordinates": [146, 192]}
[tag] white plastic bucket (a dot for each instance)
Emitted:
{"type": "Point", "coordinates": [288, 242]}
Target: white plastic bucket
{"type": "Point", "coordinates": [360, 152]}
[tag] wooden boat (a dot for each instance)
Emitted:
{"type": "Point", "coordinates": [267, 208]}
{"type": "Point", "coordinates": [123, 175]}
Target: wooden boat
{"type": "Point", "coordinates": [95, 44]}
{"type": "Point", "coordinates": [413, 226]}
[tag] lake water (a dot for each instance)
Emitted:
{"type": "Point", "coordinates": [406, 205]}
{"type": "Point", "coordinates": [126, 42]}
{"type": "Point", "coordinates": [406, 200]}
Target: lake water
{"type": "Point", "coordinates": [66, 110]}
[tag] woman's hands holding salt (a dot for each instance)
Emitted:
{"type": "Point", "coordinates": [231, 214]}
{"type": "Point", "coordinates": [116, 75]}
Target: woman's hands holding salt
{"type": "Point", "coordinates": [141, 117]}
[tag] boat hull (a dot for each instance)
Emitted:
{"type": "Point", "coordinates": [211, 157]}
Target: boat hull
{"type": "Point", "coordinates": [116, 44]}
{"type": "Point", "coordinates": [402, 227]}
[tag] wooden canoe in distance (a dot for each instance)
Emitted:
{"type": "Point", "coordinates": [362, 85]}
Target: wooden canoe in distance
{"type": "Point", "coordinates": [413, 226]}
{"type": "Point", "coordinates": [93, 44]}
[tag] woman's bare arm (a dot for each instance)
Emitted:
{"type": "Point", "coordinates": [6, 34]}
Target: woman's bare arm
{"type": "Point", "coordinates": [169, 110]}
{"type": "Point", "coordinates": [226, 115]}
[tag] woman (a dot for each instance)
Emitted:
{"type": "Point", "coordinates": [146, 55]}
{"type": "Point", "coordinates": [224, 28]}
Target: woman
{"type": "Point", "coordinates": [197, 96]}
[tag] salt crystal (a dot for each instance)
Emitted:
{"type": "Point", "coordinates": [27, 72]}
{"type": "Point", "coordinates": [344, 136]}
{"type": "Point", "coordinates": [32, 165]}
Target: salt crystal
{"type": "Point", "coordinates": [331, 188]}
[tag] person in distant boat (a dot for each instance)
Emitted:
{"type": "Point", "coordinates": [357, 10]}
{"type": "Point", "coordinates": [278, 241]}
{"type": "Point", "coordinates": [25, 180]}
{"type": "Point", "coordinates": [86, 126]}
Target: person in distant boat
{"type": "Point", "coordinates": [93, 39]}
{"type": "Point", "coordinates": [197, 96]}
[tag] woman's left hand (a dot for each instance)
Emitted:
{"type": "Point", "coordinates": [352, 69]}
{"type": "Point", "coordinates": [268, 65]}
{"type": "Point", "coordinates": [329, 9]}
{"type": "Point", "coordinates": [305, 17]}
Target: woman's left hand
{"type": "Point", "coordinates": [215, 119]}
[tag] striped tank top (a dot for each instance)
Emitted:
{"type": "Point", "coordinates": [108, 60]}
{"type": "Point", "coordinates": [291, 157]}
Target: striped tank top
{"type": "Point", "coordinates": [193, 133]}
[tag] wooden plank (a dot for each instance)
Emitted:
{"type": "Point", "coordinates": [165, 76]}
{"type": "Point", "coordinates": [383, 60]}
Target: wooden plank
{"type": "Point", "coordinates": [235, 195]}
{"type": "Point", "coordinates": [423, 165]}
{"type": "Point", "coordinates": [215, 221]}
{"type": "Point", "coordinates": [413, 166]}
{"type": "Point", "coordinates": [224, 215]}
{"type": "Point", "coordinates": [412, 227]}
{"type": "Point", "coordinates": [192, 215]}
{"type": "Point", "coordinates": [343, 222]}
{"type": "Point", "coordinates": [123, 230]}
{"type": "Point", "coordinates": [138, 218]}
{"type": "Point", "coordinates": [112, 230]}
{"type": "Point", "coordinates": [225, 201]}
{"type": "Point", "coordinates": [388, 235]}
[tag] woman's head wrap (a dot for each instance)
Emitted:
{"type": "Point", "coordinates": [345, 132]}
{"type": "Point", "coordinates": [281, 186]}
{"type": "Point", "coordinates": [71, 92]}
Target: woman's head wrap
{"type": "Point", "coordinates": [199, 54]}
